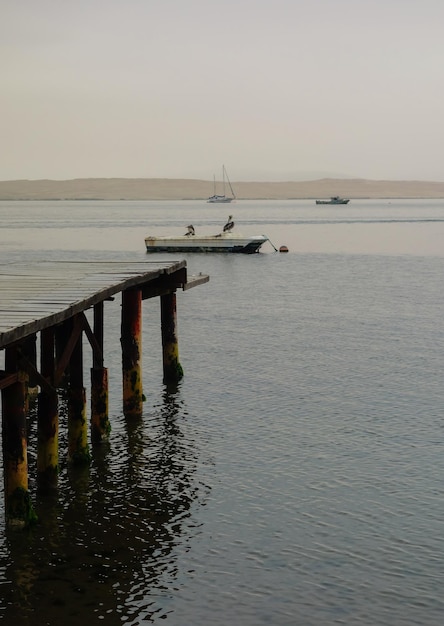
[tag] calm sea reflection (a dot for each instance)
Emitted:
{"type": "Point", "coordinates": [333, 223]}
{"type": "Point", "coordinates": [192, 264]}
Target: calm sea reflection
{"type": "Point", "coordinates": [294, 476]}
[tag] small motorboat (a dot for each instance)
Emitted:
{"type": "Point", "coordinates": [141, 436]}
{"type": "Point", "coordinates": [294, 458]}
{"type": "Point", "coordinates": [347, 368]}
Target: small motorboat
{"type": "Point", "coordinates": [226, 241]}
{"type": "Point", "coordinates": [334, 200]}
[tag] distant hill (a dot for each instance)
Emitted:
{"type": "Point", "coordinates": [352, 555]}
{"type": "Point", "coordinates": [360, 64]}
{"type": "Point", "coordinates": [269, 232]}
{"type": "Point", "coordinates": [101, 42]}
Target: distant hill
{"type": "Point", "coordinates": [191, 189]}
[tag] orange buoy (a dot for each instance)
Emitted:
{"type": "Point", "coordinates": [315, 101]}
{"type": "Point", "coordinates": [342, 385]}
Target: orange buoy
{"type": "Point", "coordinates": [283, 249]}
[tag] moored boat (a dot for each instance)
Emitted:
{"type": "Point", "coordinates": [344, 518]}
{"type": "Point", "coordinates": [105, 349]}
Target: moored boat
{"type": "Point", "coordinates": [222, 198]}
{"type": "Point", "coordinates": [334, 200]}
{"type": "Point", "coordinates": [226, 241]}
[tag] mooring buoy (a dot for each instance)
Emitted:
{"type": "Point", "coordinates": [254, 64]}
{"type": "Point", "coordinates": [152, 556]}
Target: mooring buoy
{"type": "Point", "coordinates": [283, 249]}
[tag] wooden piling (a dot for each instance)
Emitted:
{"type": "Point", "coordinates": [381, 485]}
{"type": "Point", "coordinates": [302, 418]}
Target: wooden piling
{"type": "Point", "coordinates": [131, 340]}
{"type": "Point", "coordinates": [19, 511]}
{"type": "Point", "coordinates": [28, 350]}
{"type": "Point", "coordinates": [172, 369]}
{"type": "Point", "coordinates": [47, 416]}
{"type": "Point", "coordinates": [78, 450]}
{"type": "Point", "coordinates": [61, 336]}
{"type": "Point", "coordinates": [100, 425]}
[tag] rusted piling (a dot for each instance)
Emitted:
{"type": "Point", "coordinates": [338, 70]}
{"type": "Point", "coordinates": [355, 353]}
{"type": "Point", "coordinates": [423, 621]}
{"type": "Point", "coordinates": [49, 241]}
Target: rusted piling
{"type": "Point", "coordinates": [61, 337]}
{"type": "Point", "coordinates": [47, 415]}
{"type": "Point", "coordinates": [131, 340]}
{"type": "Point", "coordinates": [78, 449]}
{"type": "Point", "coordinates": [19, 511]}
{"type": "Point", "coordinates": [100, 425]}
{"type": "Point", "coordinates": [172, 369]}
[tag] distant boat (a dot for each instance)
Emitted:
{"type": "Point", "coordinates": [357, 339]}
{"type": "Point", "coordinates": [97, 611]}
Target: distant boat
{"type": "Point", "coordinates": [222, 198]}
{"type": "Point", "coordinates": [226, 241]}
{"type": "Point", "coordinates": [334, 200]}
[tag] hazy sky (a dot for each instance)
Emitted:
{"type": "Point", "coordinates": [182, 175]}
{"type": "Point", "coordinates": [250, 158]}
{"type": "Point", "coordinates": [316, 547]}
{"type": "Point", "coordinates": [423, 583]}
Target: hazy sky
{"type": "Point", "coordinates": [275, 89]}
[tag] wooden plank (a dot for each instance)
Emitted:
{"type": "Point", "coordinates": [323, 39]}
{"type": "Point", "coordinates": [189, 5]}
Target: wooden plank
{"type": "Point", "coordinates": [194, 281]}
{"type": "Point", "coordinates": [40, 295]}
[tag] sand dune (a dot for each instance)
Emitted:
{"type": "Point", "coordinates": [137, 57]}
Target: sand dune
{"type": "Point", "coordinates": [191, 189]}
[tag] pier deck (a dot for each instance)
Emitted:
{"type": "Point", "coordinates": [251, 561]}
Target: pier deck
{"type": "Point", "coordinates": [37, 296]}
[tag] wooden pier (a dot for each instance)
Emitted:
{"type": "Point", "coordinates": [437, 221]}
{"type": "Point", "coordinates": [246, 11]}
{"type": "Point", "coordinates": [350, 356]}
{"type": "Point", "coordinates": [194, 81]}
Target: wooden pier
{"type": "Point", "coordinates": [46, 302]}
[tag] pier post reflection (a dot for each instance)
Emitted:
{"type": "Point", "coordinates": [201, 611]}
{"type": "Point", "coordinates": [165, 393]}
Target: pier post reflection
{"type": "Point", "coordinates": [106, 541]}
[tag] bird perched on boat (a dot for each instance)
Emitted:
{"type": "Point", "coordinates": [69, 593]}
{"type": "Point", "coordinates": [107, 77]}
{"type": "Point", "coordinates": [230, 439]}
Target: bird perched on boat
{"type": "Point", "coordinates": [229, 225]}
{"type": "Point", "coordinates": [191, 230]}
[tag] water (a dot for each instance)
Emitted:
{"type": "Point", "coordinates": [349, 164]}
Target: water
{"type": "Point", "coordinates": [294, 477]}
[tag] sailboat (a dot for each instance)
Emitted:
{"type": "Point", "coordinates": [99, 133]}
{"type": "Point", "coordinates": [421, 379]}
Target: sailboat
{"type": "Point", "coordinates": [222, 198]}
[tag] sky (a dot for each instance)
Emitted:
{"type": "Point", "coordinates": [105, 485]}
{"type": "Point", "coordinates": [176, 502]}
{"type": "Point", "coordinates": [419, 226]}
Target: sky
{"type": "Point", "coordinates": [273, 89]}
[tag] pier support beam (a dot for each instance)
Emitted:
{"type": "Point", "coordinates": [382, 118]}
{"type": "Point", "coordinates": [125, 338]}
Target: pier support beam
{"type": "Point", "coordinates": [100, 426]}
{"type": "Point", "coordinates": [19, 511]}
{"type": "Point", "coordinates": [78, 450]}
{"type": "Point", "coordinates": [172, 369]}
{"type": "Point", "coordinates": [47, 416]}
{"type": "Point", "coordinates": [131, 339]}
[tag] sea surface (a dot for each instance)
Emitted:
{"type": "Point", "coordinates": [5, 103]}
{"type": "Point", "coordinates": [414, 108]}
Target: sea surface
{"type": "Point", "coordinates": [295, 476]}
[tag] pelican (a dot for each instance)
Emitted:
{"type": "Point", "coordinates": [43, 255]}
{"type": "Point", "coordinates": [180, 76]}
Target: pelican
{"type": "Point", "coordinates": [191, 230]}
{"type": "Point", "coordinates": [229, 225]}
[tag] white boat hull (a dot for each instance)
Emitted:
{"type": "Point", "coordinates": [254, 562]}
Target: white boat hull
{"type": "Point", "coordinates": [220, 199]}
{"type": "Point", "coordinates": [334, 200]}
{"type": "Point", "coordinates": [225, 242]}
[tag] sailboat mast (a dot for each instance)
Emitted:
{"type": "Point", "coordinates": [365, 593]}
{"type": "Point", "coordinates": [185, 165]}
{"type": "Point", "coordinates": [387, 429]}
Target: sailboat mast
{"type": "Point", "coordinates": [224, 172]}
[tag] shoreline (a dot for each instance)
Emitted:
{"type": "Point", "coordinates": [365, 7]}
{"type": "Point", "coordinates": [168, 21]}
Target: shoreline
{"type": "Point", "coordinates": [126, 189]}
